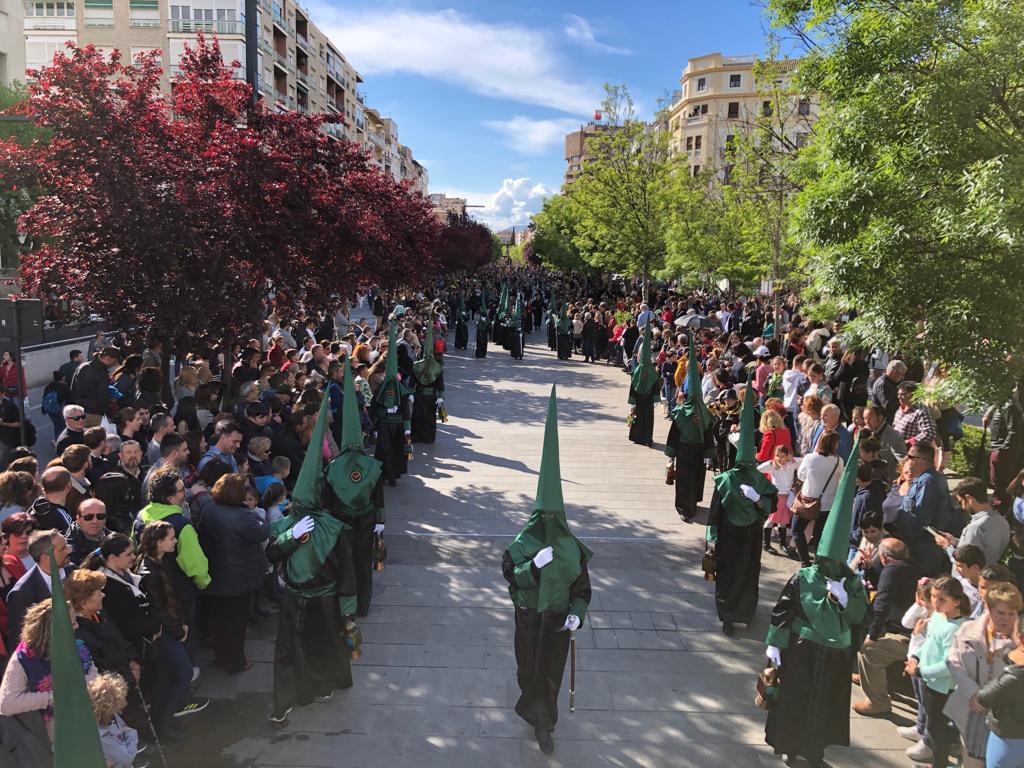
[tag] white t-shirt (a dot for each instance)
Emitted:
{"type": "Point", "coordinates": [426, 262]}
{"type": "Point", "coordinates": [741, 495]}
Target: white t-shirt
{"type": "Point", "coordinates": [782, 477]}
{"type": "Point", "coordinates": [791, 383]}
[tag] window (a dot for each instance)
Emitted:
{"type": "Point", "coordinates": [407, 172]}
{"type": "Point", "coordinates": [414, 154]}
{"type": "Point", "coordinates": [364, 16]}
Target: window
{"type": "Point", "coordinates": [766, 108]}
{"type": "Point", "coordinates": [702, 84]}
{"type": "Point", "coordinates": [689, 143]}
{"type": "Point", "coordinates": [801, 139]}
{"type": "Point", "coordinates": [697, 142]}
{"type": "Point", "coordinates": [734, 81]}
{"type": "Point", "coordinates": [696, 170]}
{"type": "Point", "coordinates": [703, 109]}
{"type": "Point", "coordinates": [804, 107]}
{"type": "Point", "coordinates": [734, 110]}
{"type": "Point", "coordinates": [730, 139]}
{"type": "Point", "coordinates": [181, 12]}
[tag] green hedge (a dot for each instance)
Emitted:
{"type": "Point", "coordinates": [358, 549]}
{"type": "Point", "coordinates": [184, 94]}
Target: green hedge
{"type": "Point", "coordinates": [965, 453]}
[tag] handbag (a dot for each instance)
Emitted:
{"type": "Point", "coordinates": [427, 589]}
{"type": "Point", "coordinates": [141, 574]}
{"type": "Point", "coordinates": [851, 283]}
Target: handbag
{"type": "Point", "coordinates": [768, 684]}
{"type": "Point", "coordinates": [809, 507]}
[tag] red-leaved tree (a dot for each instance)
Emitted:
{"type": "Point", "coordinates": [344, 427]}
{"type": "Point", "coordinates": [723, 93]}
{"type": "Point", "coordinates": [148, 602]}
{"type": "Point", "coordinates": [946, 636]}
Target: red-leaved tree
{"type": "Point", "coordinates": [464, 244]}
{"type": "Point", "coordinates": [181, 214]}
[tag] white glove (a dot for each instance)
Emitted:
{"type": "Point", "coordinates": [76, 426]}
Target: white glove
{"type": "Point", "coordinates": [750, 493]}
{"type": "Point", "coordinates": [393, 409]}
{"type": "Point", "coordinates": [408, 432]}
{"type": "Point", "coordinates": [774, 655]}
{"type": "Point", "coordinates": [544, 557]}
{"type": "Point", "coordinates": [838, 590]}
{"type": "Point", "coordinates": [440, 401]}
{"type": "Point", "coordinates": [572, 623]}
{"type": "Point", "coordinates": [301, 528]}
{"type": "Point", "coordinates": [378, 528]}
{"type": "Point", "coordinates": [412, 398]}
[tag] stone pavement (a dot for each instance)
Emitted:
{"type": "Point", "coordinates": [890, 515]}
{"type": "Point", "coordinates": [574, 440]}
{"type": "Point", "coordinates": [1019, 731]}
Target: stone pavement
{"type": "Point", "coordinates": [658, 684]}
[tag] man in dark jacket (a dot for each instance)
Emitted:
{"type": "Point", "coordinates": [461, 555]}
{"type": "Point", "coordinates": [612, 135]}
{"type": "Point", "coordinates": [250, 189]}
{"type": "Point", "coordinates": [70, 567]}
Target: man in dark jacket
{"type": "Point", "coordinates": [288, 443]}
{"type": "Point", "coordinates": [883, 391]}
{"type": "Point", "coordinates": [34, 586]}
{"type": "Point", "coordinates": [1006, 428]}
{"type": "Point", "coordinates": [49, 510]}
{"type": "Point", "coordinates": [88, 531]}
{"type": "Point", "coordinates": [887, 639]}
{"type": "Point", "coordinates": [90, 386]}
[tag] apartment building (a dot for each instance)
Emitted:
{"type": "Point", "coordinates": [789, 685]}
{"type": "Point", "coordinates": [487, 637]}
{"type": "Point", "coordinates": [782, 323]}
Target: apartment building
{"type": "Point", "coordinates": [12, 44]}
{"type": "Point", "coordinates": [444, 205]}
{"type": "Point", "coordinates": [299, 68]}
{"type": "Point", "coordinates": [722, 97]}
{"type": "Point", "coordinates": [576, 150]}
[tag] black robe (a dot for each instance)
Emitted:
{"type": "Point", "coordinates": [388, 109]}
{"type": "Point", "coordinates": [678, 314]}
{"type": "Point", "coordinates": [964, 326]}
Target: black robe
{"type": "Point", "coordinates": [564, 345]}
{"type": "Point", "coordinates": [737, 565]}
{"type": "Point", "coordinates": [481, 341]}
{"type": "Point", "coordinates": [424, 411]}
{"type": "Point", "coordinates": [310, 655]}
{"type": "Point", "coordinates": [642, 430]}
{"type": "Point", "coordinates": [390, 447]}
{"type": "Point", "coordinates": [690, 470]}
{"type": "Point", "coordinates": [552, 338]}
{"type": "Point", "coordinates": [461, 332]}
{"type": "Point", "coordinates": [812, 709]}
{"type": "Point", "coordinates": [541, 651]}
{"type": "Point", "coordinates": [516, 343]}
{"type": "Point", "coordinates": [360, 537]}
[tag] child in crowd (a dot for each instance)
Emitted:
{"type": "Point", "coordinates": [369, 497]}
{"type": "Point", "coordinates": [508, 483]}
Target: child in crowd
{"type": "Point", "coordinates": [275, 502]}
{"type": "Point", "coordinates": [668, 381]}
{"type": "Point", "coordinates": [280, 468]}
{"type": "Point", "coordinates": [968, 563]}
{"type": "Point", "coordinates": [950, 608]}
{"type": "Point", "coordinates": [916, 620]}
{"type": "Point", "coordinates": [862, 559]}
{"type": "Point", "coordinates": [781, 470]}
{"type": "Point", "coordinates": [109, 694]}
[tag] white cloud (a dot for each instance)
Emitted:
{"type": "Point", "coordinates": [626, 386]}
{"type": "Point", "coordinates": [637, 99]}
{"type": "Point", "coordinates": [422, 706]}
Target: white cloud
{"type": "Point", "coordinates": [512, 205]}
{"type": "Point", "coordinates": [498, 60]}
{"type": "Point", "coordinates": [580, 31]}
{"type": "Point", "coordinates": [532, 137]}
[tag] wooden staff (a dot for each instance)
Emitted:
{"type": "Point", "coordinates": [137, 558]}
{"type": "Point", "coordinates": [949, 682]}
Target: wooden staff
{"type": "Point", "coordinates": [572, 671]}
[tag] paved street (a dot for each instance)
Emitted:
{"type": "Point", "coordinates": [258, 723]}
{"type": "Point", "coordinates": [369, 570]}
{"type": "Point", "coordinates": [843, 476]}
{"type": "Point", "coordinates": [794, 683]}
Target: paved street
{"type": "Point", "coordinates": [658, 684]}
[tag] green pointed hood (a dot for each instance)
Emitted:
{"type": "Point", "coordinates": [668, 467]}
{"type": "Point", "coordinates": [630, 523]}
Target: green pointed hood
{"type": "Point", "coordinates": [834, 543]}
{"type": "Point", "coordinates": [745, 451]}
{"type": "Point", "coordinates": [517, 312]}
{"type": "Point", "coordinates": [692, 418]}
{"type": "Point", "coordinates": [76, 740]}
{"type": "Point", "coordinates": [428, 369]}
{"type": "Point", "coordinates": [352, 474]}
{"type": "Point", "coordinates": [351, 425]}
{"type": "Point", "coordinates": [391, 364]}
{"type": "Point", "coordinates": [740, 509]}
{"type": "Point", "coordinates": [645, 376]}
{"type": "Point", "coordinates": [547, 527]}
{"type": "Point", "coordinates": [307, 499]}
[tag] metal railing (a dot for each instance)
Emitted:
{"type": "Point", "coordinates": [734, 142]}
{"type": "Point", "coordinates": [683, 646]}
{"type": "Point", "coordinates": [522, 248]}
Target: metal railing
{"type": "Point", "coordinates": [301, 76]}
{"type": "Point", "coordinates": [335, 72]}
{"type": "Point", "coordinates": [99, 21]}
{"type": "Point", "coordinates": [51, 23]}
{"type": "Point", "coordinates": [361, 97]}
{"type": "Point", "coordinates": [175, 70]}
{"type": "Point", "coordinates": [284, 61]}
{"type": "Point", "coordinates": [203, 25]}
{"type": "Point", "coordinates": [304, 44]}
{"type": "Point", "coordinates": [144, 23]}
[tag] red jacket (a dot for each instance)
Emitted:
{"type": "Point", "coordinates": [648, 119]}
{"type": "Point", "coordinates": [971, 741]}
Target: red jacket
{"type": "Point", "coordinates": [771, 440]}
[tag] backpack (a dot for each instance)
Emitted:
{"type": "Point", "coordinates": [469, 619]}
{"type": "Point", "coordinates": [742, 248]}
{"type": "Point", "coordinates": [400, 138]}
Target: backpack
{"type": "Point", "coordinates": [51, 403]}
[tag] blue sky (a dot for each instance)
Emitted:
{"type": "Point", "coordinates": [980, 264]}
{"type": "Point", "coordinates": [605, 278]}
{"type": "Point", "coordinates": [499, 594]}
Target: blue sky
{"type": "Point", "coordinates": [484, 92]}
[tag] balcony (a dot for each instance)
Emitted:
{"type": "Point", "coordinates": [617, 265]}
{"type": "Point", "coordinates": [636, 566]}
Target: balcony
{"type": "Point", "coordinates": [302, 77]}
{"type": "Point", "coordinates": [361, 97]}
{"type": "Point", "coordinates": [303, 109]}
{"type": "Point", "coordinates": [304, 44]}
{"type": "Point", "coordinates": [54, 23]}
{"type": "Point", "coordinates": [238, 74]}
{"type": "Point", "coordinates": [333, 70]}
{"type": "Point", "coordinates": [695, 119]}
{"type": "Point", "coordinates": [283, 25]}
{"type": "Point", "coordinates": [99, 21]}
{"type": "Point", "coordinates": [376, 139]}
{"type": "Point", "coordinates": [144, 23]}
{"type": "Point", "coordinates": [191, 26]}
{"type": "Point", "coordinates": [285, 62]}
{"type": "Point", "coordinates": [284, 98]}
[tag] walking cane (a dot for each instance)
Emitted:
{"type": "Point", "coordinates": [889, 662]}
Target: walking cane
{"type": "Point", "coordinates": [572, 672]}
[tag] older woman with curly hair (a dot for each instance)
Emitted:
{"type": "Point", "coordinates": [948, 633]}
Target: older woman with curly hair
{"type": "Point", "coordinates": [111, 652]}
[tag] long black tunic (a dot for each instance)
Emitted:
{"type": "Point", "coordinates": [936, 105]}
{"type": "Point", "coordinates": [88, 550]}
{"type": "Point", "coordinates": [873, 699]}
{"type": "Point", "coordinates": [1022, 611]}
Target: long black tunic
{"type": "Point", "coordinates": [310, 656]}
{"type": "Point", "coordinates": [552, 342]}
{"type": "Point", "coordinates": [461, 332]}
{"type": "Point", "coordinates": [516, 343]}
{"type": "Point", "coordinates": [642, 430]}
{"type": "Point", "coordinates": [812, 710]}
{"type": "Point", "coordinates": [737, 565]}
{"type": "Point", "coordinates": [390, 447]}
{"type": "Point", "coordinates": [541, 651]}
{"type": "Point", "coordinates": [424, 411]}
{"type": "Point", "coordinates": [481, 340]}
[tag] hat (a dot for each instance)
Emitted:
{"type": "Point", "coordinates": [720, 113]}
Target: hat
{"type": "Point", "coordinates": [762, 351]}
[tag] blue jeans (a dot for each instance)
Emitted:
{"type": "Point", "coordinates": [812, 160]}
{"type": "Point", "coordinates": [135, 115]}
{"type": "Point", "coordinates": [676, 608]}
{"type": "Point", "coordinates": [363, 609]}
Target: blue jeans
{"type": "Point", "coordinates": [172, 676]}
{"type": "Point", "coordinates": [1004, 753]}
{"type": "Point", "coordinates": [668, 393]}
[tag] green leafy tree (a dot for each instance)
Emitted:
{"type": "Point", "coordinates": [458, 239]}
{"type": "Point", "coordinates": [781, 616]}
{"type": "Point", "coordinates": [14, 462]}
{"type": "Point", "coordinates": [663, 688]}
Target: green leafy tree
{"type": "Point", "coordinates": [914, 201]}
{"type": "Point", "coordinates": [15, 199]}
{"type": "Point", "coordinates": [616, 197]}
{"type": "Point", "coordinates": [555, 229]}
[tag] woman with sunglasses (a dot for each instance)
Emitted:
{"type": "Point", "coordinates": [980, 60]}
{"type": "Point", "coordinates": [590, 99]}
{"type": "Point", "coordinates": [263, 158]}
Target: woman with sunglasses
{"type": "Point", "coordinates": [88, 530]}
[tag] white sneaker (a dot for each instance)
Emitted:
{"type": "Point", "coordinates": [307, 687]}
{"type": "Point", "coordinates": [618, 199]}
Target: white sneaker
{"type": "Point", "coordinates": [920, 752]}
{"type": "Point", "coordinates": [909, 732]}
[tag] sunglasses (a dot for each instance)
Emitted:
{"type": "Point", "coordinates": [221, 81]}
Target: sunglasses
{"type": "Point", "coordinates": [96, 516]}
{"type": "Point", "coordinates": [76, 418]}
